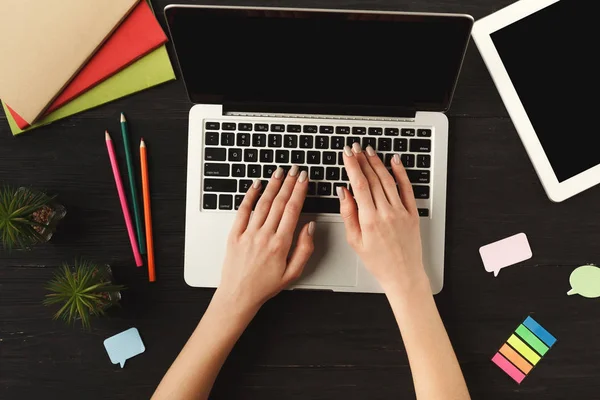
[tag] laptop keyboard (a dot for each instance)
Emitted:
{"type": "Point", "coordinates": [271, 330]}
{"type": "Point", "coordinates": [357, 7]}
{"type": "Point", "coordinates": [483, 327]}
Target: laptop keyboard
{"type": "Point", "coordinates": [236, 153]}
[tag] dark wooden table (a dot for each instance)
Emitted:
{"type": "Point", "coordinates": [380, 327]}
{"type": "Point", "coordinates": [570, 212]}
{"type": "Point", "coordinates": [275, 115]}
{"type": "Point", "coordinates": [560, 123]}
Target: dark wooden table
{"type": "Point", "coordinates": [301, 345]}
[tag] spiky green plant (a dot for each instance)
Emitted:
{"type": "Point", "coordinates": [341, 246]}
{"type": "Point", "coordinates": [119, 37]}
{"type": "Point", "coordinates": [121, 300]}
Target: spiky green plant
{"type": "Point", "coordinates": [82, 291]}
{"type": "Point", "coordinates": [17, 222]}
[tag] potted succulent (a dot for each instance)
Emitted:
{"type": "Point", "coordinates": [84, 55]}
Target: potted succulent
{"type": "Point", "coordinates": [27, 217]}
{"type": "Point", "coordinates": [82, 291]}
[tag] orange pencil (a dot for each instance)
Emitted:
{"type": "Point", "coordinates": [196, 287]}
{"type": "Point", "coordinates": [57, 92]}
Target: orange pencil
{"type": "Point", "coordinates": [147, 212]}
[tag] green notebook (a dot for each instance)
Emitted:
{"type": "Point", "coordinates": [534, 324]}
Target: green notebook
{"type": "Point", "coordinates": [150, 70]}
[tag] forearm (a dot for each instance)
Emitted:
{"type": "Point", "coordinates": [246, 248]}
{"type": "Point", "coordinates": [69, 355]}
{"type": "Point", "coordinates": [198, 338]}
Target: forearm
{"type": "Point", "coordinates": [193, 373]}
{"type": "Point", "coordinates": [435, 369]}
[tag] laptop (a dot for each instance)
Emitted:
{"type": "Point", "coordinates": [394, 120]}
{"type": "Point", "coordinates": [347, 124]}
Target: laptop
{"type": "Point", "coordinates": [277, 87]}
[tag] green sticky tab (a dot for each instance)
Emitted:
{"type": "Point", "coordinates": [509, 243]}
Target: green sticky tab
{"type": "Point", "coordinates": [531, 340]}
{"type": "Point", "coordinates": [523, 349]}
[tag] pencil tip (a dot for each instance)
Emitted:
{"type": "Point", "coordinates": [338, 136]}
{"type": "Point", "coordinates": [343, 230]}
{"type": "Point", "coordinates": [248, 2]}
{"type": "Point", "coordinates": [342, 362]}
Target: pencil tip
{"type": "Point", "coordinates": [123, 118]}
{"type": "Point", "coordinates": [142, 143]}
{"type": "Point", "coordinates": [106, 135]}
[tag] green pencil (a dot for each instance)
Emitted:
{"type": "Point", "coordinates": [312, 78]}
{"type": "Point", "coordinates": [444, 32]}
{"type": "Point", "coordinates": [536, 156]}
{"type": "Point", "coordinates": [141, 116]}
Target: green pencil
{"type": "Point", "coordinates": [134, 197]}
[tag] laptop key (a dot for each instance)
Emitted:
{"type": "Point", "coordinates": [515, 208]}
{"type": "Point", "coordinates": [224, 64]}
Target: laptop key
{"type": "Point", "coordinates": [338, 184]}
{"type": "Point", "coordinates": [254, 171]}
{"type": "Point", "coordinates": [227, 139]}
{"type": "Point", "coordinates": [324, 189]}
{"type": "Point", "coordinates": [309, 129]}
{"type": "Point", "coordinates": [424, 132]}
{"type": "Point", "coordinates": [261, 127]}
{"type": "Point", "coordinates": [312, 188]}
{"type": "Point", "coordinates": [332, 173]}
{"type": "Point", "coordinates": [337, 143]}
{"type": "Point", "coordinates": [238, 170]}
{"type": "Point", "coordinates": [313, 157]}
{"type": "Point", "coordinates": [250, 155]}
{"type": "Point", "coordinates": [423, 161]}
{"type": "Point", "coordinates": [277, 128]}
{"type": "Point", "coordinates": [329, 158]}
{"type": "Point", "coordinates": [317, 173]}
{"type": "Point", "coordinates": [266, 156]}
{"type": "Point", "coordinates": [321, 205]}
{"type": "Point", "coordinates": [268, 171]}
{"type": "Point", "coordinates": [388, 160]}
{"type": "Point", "coordinates": [238, 201]}
{"type": "Point", "coordinates": [351, 139]}
{"type": "Point", "coordinates": [212, 125]}
{"type": "Point", "coordinates": [297, 157]}
{"type": "Point", "coordinates": [322, 142]}
{"type": "Point", "coordinates": [418, 175]}
{"type": "Point", "coordinates": [294, 128]}
{"type": "Point", "coordinates": [407, 132]}
{"type": "Point", "coordinates": [345, 175]}
{"type": "Point", "coordinates": [259, 140]}
{"type": "Point", "coordinates": [214, 169]}
{"type": "Point", "coordinates": [290, 141]}
{"type": "Point", "coordinates": [275, 140]}
{"type": "Point", "coordinates": [282, 156]}
{"type": "Point", "coordinates": [209, 202]}
{"type": "Point", "coordinates": [243, 139]}
{"type": "Point", "coordinates": [211, 138]}
{"type": "Point", "coordinates": [341, 158]}
{"type": "Point", "coordinates": [225, 202]}
{"type": "Point", "coordinates": [400, 144]}
{"type": "Point", "coordinates": [359, 130]}
{"type": "Point", "coordinates": [384, 144]}
{"type": "Point", "coordinates": [421, 192]}
{"type": "Point", "coordinates": [306, 142]}
{"type": "Point", "coordinates": [375, 131]}
{"type": "Point", "coordinates": [325, 129]}
{"type": "Point", "coordinates": [229, 126]}
{"type": "Point", "coordinates": [408, 160]}
{"type": "Point", "coordinates": [423, 212]}
{"type": "Point", "coordinates": [245, 184]}
{"type": "Point", "coordinates": [235, 154]}
{"type": "Point", "coordinates": [342, 130]}
{"type": "Point", "coordinates": [244, 127]}
{"type": "Point", "coordinates": [392, 131]}
{"type": "Point", "coordinates": [420, 145]}
{"type": "Point", "coordinates": [220, 185]}
{"type": "Point", "coordinates": [369, 141]}
{"type": "Point", "coordinates": [214, 154]}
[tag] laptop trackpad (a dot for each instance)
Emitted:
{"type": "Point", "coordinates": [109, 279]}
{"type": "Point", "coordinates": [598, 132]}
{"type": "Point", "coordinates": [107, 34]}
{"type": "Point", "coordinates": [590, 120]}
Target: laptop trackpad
{"type": "Point", "coordinates": [333, 262]}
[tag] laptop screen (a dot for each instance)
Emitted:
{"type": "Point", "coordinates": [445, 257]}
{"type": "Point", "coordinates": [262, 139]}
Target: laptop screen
{"type": "Point", "coordinates": [346, 59]}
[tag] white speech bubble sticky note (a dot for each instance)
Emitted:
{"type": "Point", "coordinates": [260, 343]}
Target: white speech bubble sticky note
{"type": "Point", "coordinates": [124, 346]}
{"type": "Point", "coordinates": [505, 252]}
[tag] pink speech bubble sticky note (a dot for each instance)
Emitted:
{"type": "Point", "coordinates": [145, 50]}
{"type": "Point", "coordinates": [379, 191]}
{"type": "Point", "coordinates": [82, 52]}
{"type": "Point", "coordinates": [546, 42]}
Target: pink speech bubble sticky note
{"type": "Point", "coordinates": [505, 252]}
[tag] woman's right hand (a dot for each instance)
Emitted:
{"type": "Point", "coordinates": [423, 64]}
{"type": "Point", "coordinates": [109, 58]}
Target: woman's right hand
{"type": "Point", "coordinates": [382, 220]}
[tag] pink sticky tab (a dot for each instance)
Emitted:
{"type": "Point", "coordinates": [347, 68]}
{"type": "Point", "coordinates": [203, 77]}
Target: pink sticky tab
{"type": "Point", "coordinates": [507, 367]}
{"type": "Point", "coordinates": [505, 252]}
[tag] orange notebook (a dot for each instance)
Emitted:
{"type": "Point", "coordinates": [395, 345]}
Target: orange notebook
{"type": "Point", "coordinates": [138, 35]}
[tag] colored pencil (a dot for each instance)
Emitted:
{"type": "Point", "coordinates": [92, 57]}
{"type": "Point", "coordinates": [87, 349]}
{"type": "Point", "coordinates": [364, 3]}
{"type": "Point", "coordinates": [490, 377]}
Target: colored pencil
{"type": "Point", "coordinates": [147, 211]}
{"type": "Point", "coordinates": [123, 199]}
{"type": "Point", "coordinates": [132, 185]}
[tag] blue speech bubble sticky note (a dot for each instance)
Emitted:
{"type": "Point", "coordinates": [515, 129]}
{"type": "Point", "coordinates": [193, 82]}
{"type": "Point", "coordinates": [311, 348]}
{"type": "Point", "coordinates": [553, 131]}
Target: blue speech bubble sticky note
{"type": "Point", "coordinates": [124, 346]}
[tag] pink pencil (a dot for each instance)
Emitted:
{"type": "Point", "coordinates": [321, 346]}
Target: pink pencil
{"type": "Point", "coordinates": [123, 199]}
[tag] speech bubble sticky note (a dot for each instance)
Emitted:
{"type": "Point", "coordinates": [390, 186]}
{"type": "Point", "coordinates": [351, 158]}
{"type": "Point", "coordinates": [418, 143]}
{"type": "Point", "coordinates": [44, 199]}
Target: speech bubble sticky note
{"type": "Point", "coordinates": [124, 346]}
{"type": "Point", "coordinates": [585, 281]}
{"type": "Point", "coordinates": [505, 252]}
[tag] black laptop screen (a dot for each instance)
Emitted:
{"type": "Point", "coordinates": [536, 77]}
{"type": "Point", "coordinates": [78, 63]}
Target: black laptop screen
{"type": "Point", "coordinates": [313, 57]}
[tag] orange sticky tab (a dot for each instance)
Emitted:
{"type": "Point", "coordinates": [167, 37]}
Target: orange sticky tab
{"type": "Point", "coordinates": [515, 358]}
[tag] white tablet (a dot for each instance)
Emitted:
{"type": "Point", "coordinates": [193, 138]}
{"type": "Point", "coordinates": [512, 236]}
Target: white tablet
{"type": "Point", "coordinates": [542, 55]}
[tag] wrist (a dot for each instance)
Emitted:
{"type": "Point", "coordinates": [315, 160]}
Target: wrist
{"type": "Point", "coordinates": [407, 287]}
{"type": "Point", "coordinates": [228, 305]}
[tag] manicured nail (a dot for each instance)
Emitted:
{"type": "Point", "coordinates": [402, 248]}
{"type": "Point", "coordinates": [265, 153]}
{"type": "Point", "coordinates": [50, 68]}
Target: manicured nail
{"type": "Point", "coordinates": [294, 170]}
{"type": "Point", "coordinates": [278, 173]}
{"type": "Point", "coordinates": [396, 159]}
{"type": "Point", "coordinates": [303, 176]}
{"type": "Point", "coordinates": [348, 151]}
{"type": "Point", "coordinates": [341, 193]}
{"type": "Point", "coordinates": [356, 148]}
{"type": "Point", "coordinates": [256, 184]}
{"type": "Point", "coordinates": [311, 228]}
{"type": "Point", "coordinates": [370, 151]}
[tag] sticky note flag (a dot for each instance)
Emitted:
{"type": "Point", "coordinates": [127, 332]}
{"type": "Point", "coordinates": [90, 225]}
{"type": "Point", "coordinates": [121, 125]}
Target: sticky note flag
{"type": "Point", "coordinates": [505, 252]}
{"type": "Point", "coordinates": [124, 346]}
{"type": "Point", "coordinates": [524, 349]}
{"type": "Point", "coordinates": [585, 281]}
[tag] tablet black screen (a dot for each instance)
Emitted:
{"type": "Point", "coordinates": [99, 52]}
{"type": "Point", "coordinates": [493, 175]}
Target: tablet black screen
{"type": "Point", "coordinates": [551, 59]}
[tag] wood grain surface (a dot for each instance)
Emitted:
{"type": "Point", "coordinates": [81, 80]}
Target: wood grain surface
{"type": "Point", "coordinates": [307, 345]}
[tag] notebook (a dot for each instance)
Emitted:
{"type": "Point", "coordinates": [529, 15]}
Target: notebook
{"type": "Point", "coordinates": [150, 70]}
{"type": "Point", "coordinates": [58, 36]}
{"type": "Point", "coordinates": [139, 34]}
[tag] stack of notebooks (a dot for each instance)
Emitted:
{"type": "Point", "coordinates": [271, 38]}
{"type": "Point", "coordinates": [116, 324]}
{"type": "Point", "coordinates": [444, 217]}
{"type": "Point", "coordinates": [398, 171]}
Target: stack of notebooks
{"type": "Point", "coordinates": [58, 58]}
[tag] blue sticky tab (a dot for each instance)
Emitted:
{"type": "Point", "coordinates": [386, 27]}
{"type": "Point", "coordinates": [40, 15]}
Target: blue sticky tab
{"type": "Point", "coordinates": [123, 346]}
{"type": "Point", "coordinates": [539, 331]}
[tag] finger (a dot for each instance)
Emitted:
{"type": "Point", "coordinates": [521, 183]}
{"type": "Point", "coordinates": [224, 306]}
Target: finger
{"type": "Point", "coordinates": [302, 252]}
{"type": "Point", "coordinates": [404, 186]}
{"type": "Point", "coordinates": [349, 213]}
{"type": "Point", "coordinates": [281, 200]}
{"type": "Point", "coordinates": [358, 180]}
{"type": "Point", "coordinates": [243, 213]}
{"type": "Point", "coordinates": [266, 200]}
{"type": "Point", "coordinates": [374, 184]}
{"type": "Point", "coordinates": [387, 181]}
{"type": "Point", "coordinates": [292, 210]}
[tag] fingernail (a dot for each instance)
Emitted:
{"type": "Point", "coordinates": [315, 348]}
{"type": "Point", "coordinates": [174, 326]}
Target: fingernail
{"type": "Point", "coordinates": [396, 159]}
{"type": "Point", "coordinates": [370, 151]}
{"type": "Point", "coordinates": [311, 228]}
{"type": "Point", "coordinates": [303, 176]}
{"type": "Point", "coordinates": [278, 173]}
{"type": "Point", "coordinates": [256, 184]}
{"type": "Point", "coordinates": [348, 151]}
{"type": "Point", "coordinates": [294, 170]}
{"type": "Point", "coordinates": [356, 148]}
{"type": "Point", "coordinates": [341, 193]}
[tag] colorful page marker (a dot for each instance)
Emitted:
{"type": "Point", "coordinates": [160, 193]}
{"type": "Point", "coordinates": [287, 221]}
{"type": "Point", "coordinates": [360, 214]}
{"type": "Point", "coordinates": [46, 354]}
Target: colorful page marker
{"type": "Point", "coordinates": [585, 281]}
{"type": "Point", "coordinates": [505, 252]}
{"type": "Point", "coordinates": [124, 346]}
{"type": "Point", "coordinates": [523, 349]}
